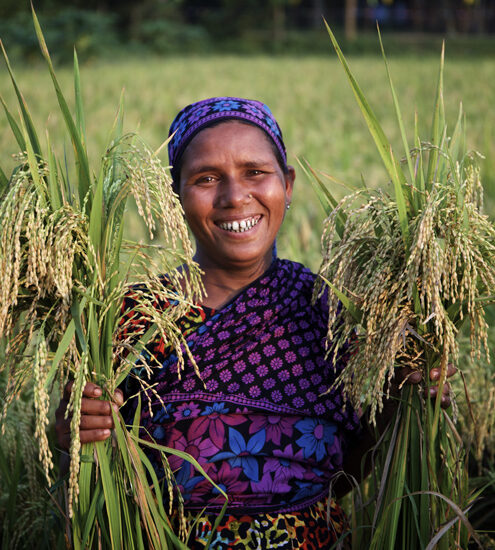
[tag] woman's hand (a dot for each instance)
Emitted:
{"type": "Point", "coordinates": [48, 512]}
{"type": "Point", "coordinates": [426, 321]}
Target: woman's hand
{"type": "Point", "coordinates": [411, 376]}
{"type": "Point", "coordinates": [96, 415]}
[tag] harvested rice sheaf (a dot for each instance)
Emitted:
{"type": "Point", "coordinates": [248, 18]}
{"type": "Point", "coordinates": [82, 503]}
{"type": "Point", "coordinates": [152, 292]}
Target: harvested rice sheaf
{"type": "Point", "coordinates": [412, 298]}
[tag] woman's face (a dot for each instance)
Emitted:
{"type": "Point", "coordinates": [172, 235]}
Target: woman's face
{"type": "Point", "coordinates": [234, 194]}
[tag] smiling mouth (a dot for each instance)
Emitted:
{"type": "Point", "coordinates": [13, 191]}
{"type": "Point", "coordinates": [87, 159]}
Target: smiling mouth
{"type": "Point", "coordinates": [240, 226]}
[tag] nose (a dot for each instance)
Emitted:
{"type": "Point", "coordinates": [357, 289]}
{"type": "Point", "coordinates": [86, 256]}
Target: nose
{"type": "Point", "coordinates": [232, 192]}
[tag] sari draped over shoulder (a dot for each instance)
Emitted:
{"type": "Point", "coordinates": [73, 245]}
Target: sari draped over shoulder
{"type": "Point", "coordinates": [263, 420]}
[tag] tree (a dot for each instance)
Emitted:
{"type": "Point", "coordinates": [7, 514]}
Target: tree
{"type": "Point", "coordinates": [350, 19]}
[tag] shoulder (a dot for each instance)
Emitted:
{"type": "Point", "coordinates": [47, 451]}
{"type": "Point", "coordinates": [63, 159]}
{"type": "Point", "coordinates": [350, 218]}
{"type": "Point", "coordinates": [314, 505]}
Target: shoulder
{"type": "Point", "coordinates": [301, 280]}
{"type": "Point", "coordinates": [295, 272]}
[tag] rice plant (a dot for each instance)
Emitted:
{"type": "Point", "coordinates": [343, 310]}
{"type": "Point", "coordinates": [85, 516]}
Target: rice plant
{"type": "Point", "coordinates": [410, 268]}
{"type": "Point", "coordinates": [65, 270]}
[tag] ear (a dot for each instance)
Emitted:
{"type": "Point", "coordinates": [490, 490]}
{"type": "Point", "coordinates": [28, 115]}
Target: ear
{"type": "Point", "coordinates": [290, 177]}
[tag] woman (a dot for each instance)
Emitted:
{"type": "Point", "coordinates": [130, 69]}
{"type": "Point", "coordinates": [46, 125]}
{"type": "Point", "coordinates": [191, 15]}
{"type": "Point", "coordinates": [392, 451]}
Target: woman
{"type": "Point", "coordinates": [261, 420]}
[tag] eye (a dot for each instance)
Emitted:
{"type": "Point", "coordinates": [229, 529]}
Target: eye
{"type": "Point", "coordinates": [255, 172]}
{"type": "Point", "coordinates": [204, 180]}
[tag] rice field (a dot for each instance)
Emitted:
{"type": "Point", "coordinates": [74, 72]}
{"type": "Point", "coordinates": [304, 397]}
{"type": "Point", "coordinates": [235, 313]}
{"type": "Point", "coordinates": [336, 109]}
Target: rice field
{"type": "Point", "coordinates": [313, 103]}
{"type": "Point", "coordinates": [309, 96]}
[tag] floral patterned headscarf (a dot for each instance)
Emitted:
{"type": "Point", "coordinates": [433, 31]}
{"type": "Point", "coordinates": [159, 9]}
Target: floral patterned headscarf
{"type": "Point", "coordinates": [197, 116]}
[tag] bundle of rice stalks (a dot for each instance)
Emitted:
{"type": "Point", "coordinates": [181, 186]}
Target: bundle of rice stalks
{"type": "Point", "coordinates": [64, 272]}
{"type": "Point", "coordinates": [28, 513]}
{"type": "Point", "coordinates": [409, 269]}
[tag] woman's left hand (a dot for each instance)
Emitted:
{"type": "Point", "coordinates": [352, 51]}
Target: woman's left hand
{"type": "Point", "coordinates": [411, 376]}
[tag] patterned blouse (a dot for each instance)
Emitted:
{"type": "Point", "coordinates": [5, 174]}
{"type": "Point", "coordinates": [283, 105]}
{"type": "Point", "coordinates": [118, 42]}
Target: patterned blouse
{"type": "Point", "coordinates": [263, 420]}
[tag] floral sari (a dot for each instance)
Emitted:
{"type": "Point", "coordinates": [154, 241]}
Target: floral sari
{"type": "Point", "coordinates": [263, 420]}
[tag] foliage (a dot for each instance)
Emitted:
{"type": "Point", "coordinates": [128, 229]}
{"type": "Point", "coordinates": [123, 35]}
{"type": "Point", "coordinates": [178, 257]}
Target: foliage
{"type": "Point", "coordinates": [28, 511]}
{"type": "Point", "coordinates": [408, 269]}
{"type": "Point", "coordinates": [65, 271]}
{"type": "Point", "coordinates": [156, 88]}
{"type": "Point", "coordinates": [165, 37]}
{"type": "Point", "coordinates": [92, 33]}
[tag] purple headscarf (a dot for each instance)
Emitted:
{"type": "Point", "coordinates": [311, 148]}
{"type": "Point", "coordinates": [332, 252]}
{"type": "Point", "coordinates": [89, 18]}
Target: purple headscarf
{"type": "Point", "coordinates": [197, 116]}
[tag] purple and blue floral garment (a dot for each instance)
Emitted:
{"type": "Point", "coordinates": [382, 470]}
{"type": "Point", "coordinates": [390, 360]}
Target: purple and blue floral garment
{"type": "Point", "coordinates": [260, 421]}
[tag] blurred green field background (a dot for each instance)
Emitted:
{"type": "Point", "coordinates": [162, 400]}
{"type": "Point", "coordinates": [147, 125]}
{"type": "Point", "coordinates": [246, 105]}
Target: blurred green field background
{"type": "Point", "coordinates": [309, 96]}
{"type": "Point", "coordinates": [312, 100]}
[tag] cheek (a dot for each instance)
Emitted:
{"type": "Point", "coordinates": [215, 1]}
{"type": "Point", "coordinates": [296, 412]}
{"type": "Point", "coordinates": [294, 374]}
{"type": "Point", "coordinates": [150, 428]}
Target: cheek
{"type": "Point", "coordinates": [192, 210]}
{"type": "Point", "coordinates": [275, 198]}
{"type": "Point", "coordinates": [197, 208]}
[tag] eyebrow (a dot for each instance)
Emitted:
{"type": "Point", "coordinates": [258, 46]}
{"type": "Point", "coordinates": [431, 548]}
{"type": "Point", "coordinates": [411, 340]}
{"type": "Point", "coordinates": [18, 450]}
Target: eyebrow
{"type": "Point", "coordinates": [245, 164]}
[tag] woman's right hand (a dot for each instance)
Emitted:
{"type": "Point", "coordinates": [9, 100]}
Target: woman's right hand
{"type": "Point", "coordinates": [96, 415]}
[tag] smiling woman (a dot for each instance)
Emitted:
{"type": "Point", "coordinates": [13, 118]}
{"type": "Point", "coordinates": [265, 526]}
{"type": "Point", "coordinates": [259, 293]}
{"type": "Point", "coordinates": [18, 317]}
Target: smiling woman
{"type": "Point", "coordinates": [234, 194]}
{"type": "Point", "coordinates": [262, 418]}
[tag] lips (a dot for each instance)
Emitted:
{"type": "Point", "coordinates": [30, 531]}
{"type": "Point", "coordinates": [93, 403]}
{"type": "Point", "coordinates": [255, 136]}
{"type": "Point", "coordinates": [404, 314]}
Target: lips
{"type": "Point", "coordinates": [241, 225]}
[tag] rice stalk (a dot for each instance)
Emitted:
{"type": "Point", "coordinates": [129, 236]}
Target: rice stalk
{"type": "Point", "coordinates": [403, 273]}
{"type": "Point", "coordinates": [65, 271]}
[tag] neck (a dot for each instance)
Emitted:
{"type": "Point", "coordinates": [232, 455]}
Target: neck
{"type": "Point", "coordinates": [222, 284]}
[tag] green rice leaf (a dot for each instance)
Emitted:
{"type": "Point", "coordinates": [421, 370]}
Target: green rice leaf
{"type": "Point", "coordinates": [86, 481]}
{"type": "Point", "coordinates": [61, 350]}
{"type": "Point", "coordinates": [80, 123]}
{"type": "Point", "coordinates": [4, 181]}
{"type": "Point", "coordinates": [26, 117]}
{"type": "Point", "coordinates": [460, 516]}
{"type": "Point", "coordinates": [419, 170]}
{"type": "Point", "coordinates": [399, 120]}
{"type": "Point", "coordinates": [401, 205]}
{"type": "Point", "coordinates": [184, 456]}
{"type": "Point", "coordinates": [33, 164]}
{"type": "Point", "coordinates": [383, 145]}
{"type": "Point", "coordinates": [139, 531]}
{"type": "Point", "coordinates": [54, 189]}
{"type": "Point", "coordinates": [97, 216]}
{"type": "Point", "coordinates": [14, 126]}
{"type": "Point", "coordinates": [356, 313]}
{"type": "Point", "coordinates": [217, 523]}
{"type": "Point", "coordinates": [77, 142]}
{"type": "Point", "coordinates": [438, 123]}
{"type": "Point", "coordinates": [456, 141]}
{"type": "Point", "coordinates": [111, 499]}
{"type": "Point", "coordinates": [155, 521]}
{"type": "Point", "coordinates": [415, 513]}
{"type": "Point", "coordinates": [327, 200]}
{"type": "Point", "coordinates": [76, 308]}
{"type": "Point", "coordinates": [134, 355]}
{"type": "Point", "coordinates": [385, 534]}
{"type": "Point", "coordinates": [89, 521]}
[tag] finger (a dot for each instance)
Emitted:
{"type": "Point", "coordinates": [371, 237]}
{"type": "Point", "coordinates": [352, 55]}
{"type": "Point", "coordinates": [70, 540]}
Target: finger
{"type": "Point", "coordinates": [68, 390]}
{"type": "Point", "coordinates": [97, 407]}
{"type": "Point", "coordinates": [118, 397]}
{"type": "Point", "coordinates": [445, 400]}
{"type": "Point", "coordinates": [90, 390]}
{"type": "Point", "coordinates": [435, 373]}
{"type": "Point", "coordinates": [409, 375]}
{"type": "Point", "coordinates": [95, 422]}
{"type": "Point", "coordinates": [450, 370]}
{"type": "Point", "coordinates": [90, 436]}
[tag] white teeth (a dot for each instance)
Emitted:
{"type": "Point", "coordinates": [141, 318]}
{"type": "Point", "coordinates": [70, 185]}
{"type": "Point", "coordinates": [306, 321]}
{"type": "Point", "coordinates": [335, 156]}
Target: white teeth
{"type": "Point", "coordinates": [241, 226]}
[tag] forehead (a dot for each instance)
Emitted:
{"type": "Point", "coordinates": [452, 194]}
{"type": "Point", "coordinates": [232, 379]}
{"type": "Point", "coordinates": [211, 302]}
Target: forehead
{"type": "Point", "coordinates": [226, 139]}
